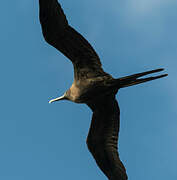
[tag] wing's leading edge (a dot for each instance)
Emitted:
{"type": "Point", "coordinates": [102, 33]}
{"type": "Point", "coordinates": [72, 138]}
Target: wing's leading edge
{"type": "Point", "coordinates": [103, 137]}
{"type": "Point", "coordinates": [58, 33]}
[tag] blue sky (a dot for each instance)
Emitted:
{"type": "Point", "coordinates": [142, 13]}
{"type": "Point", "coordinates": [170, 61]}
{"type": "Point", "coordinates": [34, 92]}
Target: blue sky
{"type": "Point", "coordinates": [47, 141]}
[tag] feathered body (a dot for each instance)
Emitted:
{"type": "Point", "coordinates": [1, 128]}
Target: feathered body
{"type": "Point", "coordinates": [91, 86]}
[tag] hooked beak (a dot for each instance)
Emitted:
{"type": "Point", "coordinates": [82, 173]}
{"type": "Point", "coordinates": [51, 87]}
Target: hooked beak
{"type": "Point", "coordinates": [58, 99]}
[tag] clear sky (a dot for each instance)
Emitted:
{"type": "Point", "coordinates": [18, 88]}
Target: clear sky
{"type": "Point", "coordinates": [41, 141]}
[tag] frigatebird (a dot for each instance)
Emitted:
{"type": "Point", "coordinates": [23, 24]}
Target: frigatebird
{"type": "Point", "coordinates": [91, 86]}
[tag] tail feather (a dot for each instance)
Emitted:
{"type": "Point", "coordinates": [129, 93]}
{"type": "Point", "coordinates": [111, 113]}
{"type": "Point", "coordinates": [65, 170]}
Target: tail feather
{"type": "Point", "coordinates": [134, 79]}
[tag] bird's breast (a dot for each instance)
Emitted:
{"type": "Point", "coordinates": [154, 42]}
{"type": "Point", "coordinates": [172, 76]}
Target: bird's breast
{"type": "Point", "coordinates": [79, 91]}
{"type": "Point", "coordinates": [84, 91]}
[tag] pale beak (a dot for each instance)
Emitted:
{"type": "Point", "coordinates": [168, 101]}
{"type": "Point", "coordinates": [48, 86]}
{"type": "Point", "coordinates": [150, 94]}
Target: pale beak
{"type": "Point", "coordinates": [58, 99]}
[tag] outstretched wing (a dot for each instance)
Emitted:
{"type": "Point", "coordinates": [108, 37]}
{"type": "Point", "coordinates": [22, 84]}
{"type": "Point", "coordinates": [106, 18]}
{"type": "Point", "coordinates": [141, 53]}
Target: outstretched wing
{"type": "Point", "coordinates": [63, 37]}
{"type": "Point", "coordinates": [103, 137]}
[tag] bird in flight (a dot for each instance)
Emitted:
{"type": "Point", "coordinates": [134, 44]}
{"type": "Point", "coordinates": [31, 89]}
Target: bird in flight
{"type": "Point", "coordinates": [91, 86]}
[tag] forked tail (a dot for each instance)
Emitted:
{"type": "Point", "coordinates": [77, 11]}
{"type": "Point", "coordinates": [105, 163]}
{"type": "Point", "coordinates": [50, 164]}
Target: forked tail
{"type": "Point", "coordinates": [135, 78]}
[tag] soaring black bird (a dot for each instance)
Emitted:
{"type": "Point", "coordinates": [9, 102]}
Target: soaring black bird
{"type": "Point", "coordinates": [91, 86]}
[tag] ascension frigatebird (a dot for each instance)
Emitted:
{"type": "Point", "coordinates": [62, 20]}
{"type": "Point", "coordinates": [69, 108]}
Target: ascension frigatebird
{"type": "Point", "coordinates": [91, 86]}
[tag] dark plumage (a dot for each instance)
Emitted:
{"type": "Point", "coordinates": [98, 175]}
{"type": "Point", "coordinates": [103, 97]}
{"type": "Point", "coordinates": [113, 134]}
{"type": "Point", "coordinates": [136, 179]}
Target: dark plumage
{"type": "Point", "coordinates": [91, 86]}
